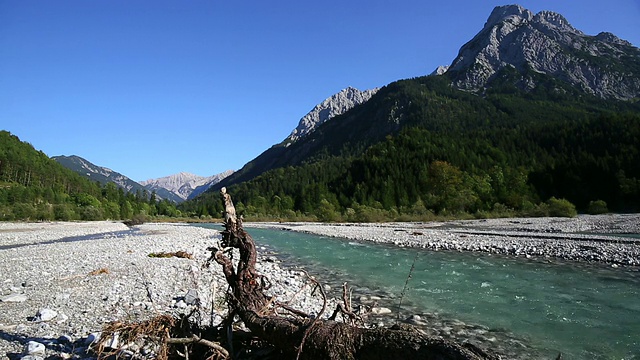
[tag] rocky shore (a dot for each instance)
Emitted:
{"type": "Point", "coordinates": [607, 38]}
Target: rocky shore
{"type": "Point", "coordinates": [587, 238]}
{"type": "Point", "coordinates": [60, 283]}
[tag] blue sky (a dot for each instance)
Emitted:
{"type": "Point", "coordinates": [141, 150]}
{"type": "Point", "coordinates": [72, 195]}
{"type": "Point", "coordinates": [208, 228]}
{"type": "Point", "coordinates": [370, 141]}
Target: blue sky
{"type": "Point", "coordinates": [153, 88]}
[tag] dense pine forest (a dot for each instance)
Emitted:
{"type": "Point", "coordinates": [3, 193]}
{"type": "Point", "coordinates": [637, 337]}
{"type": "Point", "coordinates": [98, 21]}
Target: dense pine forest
{"type": "Point", "coordinates": [420, 149]}
{"type": "Point", "coordinates": [35, 187]}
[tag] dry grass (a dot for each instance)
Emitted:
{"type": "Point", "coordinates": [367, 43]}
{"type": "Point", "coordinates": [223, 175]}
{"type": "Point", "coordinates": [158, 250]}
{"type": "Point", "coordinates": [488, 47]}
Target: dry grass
{"type": "Point", "coordinates": [100, 271]}
{"type": "Point", "coordinates": [178, 254]}
{"type": "Point", "coordinates": [155, 330]}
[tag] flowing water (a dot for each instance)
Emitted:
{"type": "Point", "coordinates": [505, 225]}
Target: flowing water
{"type": "Point", "coordinates": [528, 308]}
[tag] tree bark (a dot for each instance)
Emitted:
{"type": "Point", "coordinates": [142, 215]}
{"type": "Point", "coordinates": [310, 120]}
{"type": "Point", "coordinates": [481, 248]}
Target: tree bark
{"type": "Point", "coordinates": [307, 338]}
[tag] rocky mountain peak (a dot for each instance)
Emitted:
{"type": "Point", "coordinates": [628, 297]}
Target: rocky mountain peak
{"type": "Point", "coordinates": [185, 185]}
{"type": "Point", "coordinates": [335, 105]}
{"type": "Point", "coordinates": [514, 14]}
{"type": "Point", "coordinates": [611, 38]}
{"type": "Point", "coordinates": [546, 43]}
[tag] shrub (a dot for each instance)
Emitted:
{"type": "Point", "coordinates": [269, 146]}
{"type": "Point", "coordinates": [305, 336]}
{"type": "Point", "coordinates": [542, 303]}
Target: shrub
{"type": "Point", "coordinates": [63, 212]}
{"type": "Point", "coordinates": [90, 213]}
{"type": "Point", "coordinates": [561, 208]}
{"type": "Point", "coordinates": [597, 207]}
{"type": "Point", "coordinates": [540, 210]}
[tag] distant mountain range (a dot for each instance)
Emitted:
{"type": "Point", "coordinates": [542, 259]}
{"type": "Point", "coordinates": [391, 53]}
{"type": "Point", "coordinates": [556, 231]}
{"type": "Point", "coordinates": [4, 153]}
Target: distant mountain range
{"type": "Point", "coordinates": [530, 108]}
{"type": "Point", "coordinates": [176, 188]}
{"type": "Point", "coordinates": [185, 185]}
{"type": "Point", "coordinates": [97, 173]}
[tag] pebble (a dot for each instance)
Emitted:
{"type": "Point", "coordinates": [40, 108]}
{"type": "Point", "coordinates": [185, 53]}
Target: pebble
{"type": "Point", "coordinates": [14, 298]}
{"type": "Point", "coordinates": [35, 348]}
{"type": "Point", "coordinates": [46, 315]}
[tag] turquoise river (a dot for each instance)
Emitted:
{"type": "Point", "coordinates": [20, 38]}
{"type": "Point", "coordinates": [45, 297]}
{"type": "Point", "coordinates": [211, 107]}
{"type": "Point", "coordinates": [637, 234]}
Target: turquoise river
{"type": "Point", "coordinates": [529, 308]}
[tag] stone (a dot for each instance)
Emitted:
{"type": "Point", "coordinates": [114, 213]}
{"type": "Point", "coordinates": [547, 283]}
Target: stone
{"type": "Point", "coordinates": [62, 318]}
{"type": "Point", "coordinates": [192, 297]}
{"type": "Point", "coordinates": [380, 311]}
{"type": "Point", "coordinates": [35, 348]}
{"type": "Point", "coordinates": [92, 338]}
{"type": "Point", "coordinates": [46, 315]}
{"type": "Point", "coordinates": [14, 298]}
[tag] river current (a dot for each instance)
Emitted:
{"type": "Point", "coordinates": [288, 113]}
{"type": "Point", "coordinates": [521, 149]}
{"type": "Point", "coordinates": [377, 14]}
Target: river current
{"type": "Point", "coordinates": [530, 308]}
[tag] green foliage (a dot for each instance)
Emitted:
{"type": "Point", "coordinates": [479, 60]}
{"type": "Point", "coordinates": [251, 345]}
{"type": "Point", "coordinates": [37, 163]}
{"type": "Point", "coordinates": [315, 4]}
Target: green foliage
{"type": "Point", "coordinates": [597, 207]}
{"type": "Point", "coordinates": [561, 208]}
{"type": "Point", "coordinates": [34, 187]}
{"type": "Point", "coordinates": [420, 148]}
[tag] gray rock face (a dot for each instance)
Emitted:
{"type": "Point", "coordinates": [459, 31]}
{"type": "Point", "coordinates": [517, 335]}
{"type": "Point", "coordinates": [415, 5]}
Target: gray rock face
{"type": "Point", "coordinates": [333, 106]}
{"type": "Point", "coordinates": [185, 185]}
{"type": "Point", "coordinates": [546, 43]}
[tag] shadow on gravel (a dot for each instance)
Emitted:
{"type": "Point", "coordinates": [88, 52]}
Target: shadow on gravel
{"type": "Point", "coordinates": [99, 236]}
{"type": "Point", "coordinates": [55, 346]}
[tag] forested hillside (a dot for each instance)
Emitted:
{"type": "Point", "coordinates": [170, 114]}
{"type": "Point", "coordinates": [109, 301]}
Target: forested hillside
{"type": "Point", "coordinates": [420, 147]}
{"type": "Point", "coordinates": [35, 187]}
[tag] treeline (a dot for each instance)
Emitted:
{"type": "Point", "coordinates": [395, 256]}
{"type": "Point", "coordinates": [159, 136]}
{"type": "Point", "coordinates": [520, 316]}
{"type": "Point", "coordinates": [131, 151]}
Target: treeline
{"type": "Point", "coordinates": [34, 187]}
{"type": "Point", "coordinates": [449, 153]}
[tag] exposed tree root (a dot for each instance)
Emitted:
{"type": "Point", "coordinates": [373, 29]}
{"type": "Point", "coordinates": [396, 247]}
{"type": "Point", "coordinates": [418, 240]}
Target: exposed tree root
{"type": "Point", "coordinates": [270, 335]}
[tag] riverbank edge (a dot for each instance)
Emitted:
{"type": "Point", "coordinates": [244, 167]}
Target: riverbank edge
{"type": "Point", "coordinates": [600, 239]}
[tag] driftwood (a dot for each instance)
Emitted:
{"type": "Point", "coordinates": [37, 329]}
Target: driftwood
{"type": "Point", "coordinates": [307, 337]}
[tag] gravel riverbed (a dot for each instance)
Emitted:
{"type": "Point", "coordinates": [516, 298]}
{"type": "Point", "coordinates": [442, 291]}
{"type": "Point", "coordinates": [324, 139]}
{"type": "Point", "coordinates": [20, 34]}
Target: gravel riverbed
{"type": "Point", "coordinates": [586, 238]}
{"type": "Point", "coordinates": [60, 283]}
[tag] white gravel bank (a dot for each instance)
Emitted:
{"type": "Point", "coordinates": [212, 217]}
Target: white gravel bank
{"type": "Point", "coordinates": [107, 276]}
{"type": "Point", "coordinates": [583, 238]}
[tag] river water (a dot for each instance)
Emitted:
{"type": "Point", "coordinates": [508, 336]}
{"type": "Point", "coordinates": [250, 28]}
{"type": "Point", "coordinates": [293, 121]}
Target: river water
{"type": "Point", "coordinates": [528, 308]}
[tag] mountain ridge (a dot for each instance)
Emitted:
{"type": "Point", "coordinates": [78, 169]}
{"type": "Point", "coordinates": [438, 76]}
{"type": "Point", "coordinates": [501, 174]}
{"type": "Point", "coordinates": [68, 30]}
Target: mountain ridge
{"type": "Point", "coordinates": [332, 107]}
{"type": "Point", "coordinates": [185, 185]}
{"type": "Point", "coordinates": [546, 43]}
{"type": "Point", "coordinates": [410, 125]}
{"type": "Point", "coordinates": [97, 173]}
